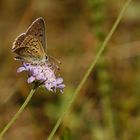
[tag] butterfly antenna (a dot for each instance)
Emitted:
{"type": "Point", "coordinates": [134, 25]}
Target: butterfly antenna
{"type": "Point", "coordinates": [59, 62]}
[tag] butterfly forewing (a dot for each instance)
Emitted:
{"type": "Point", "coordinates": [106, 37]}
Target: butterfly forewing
{"type": "Point", "coordinates": [37, 29]}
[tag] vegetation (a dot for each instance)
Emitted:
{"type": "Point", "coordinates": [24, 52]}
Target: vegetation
{"type": "Point", "coordinates": [107, 105]}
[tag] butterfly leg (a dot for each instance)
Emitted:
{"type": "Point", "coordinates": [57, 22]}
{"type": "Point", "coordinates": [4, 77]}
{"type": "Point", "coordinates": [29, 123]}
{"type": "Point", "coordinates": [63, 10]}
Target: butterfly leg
{"type": "Point", "coordinates": [18, 58]}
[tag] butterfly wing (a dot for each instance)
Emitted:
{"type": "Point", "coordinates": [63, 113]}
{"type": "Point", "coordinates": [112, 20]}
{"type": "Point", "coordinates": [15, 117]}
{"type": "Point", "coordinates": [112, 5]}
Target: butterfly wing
{"type": "Point", "coordinates": [30, 46]}
{"type": "Point", "coordinates": [30, 50]}
{"type": "Point", "coordinates": [37, 30]}
{"type": "Point", "coordinates": [18, 41]}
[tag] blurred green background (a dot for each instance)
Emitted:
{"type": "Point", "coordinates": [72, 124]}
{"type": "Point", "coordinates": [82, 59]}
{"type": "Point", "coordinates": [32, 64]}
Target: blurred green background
{"type": "Point", "coordinates": [108, 107]}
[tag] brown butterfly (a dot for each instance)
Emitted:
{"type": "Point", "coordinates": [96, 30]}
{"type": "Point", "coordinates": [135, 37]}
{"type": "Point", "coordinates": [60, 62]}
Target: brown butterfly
{"type": "Point", "coordinates": [31, 45]}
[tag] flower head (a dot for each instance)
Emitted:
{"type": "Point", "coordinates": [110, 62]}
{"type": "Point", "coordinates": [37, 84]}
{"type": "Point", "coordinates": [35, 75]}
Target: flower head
{"type": "Point", "coordinates": [43, 74]}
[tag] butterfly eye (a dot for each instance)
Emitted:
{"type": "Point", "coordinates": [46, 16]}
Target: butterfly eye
{"type": "Point", "coordinates": [46, 57]}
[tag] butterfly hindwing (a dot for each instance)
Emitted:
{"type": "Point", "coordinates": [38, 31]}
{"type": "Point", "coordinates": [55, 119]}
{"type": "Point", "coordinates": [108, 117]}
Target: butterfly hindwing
{"type": "Point", "coordinates": [30, 49]}
{"type": "Point", "coordinates": [18, 41]}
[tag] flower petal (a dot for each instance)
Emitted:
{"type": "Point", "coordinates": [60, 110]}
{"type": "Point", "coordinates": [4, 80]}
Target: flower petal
{"type": "Point", "coordinates": [31, 79]}
{"type": "Point", "coordinates": [27, 66]}
{"type": "Point", "coordinates": [35, 71]}
{"type": "Point", "coordinates": [41, 77]}
{"type": "Point", "coordinates": [61, 86]}
{"type": "Point", "coordinates": [20, 69]}
{"type": "Point", "coordinates": [59, 80]}
{"type": "Point", "coordinates": [48, 86]}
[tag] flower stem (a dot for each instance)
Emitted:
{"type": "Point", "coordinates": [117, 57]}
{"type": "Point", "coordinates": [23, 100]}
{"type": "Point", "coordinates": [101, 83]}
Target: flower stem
{"type": "Point", "coordinates": [15, 117]}
{"type": "Point", "coordinates": [89, 69]}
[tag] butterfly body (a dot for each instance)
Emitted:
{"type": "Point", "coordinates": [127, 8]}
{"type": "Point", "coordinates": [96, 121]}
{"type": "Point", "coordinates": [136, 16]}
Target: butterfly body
{"type": "Point", "coordinates": [30, 46]}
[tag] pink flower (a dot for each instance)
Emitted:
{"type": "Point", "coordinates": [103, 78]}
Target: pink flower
{"type": "Point", "coordinates": [43, 74]}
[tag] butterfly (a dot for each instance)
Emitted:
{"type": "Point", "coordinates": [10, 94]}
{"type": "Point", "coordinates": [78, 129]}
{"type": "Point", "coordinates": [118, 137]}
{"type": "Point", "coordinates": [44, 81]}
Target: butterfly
{"type": "Point", "coordinates": [31, 46]}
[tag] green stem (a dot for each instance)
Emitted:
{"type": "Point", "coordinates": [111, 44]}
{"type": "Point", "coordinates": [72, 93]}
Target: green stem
{"type": "Point", "coordinates": [15, 117]}
{"type": "Point", "coordinates": [89, 69]}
